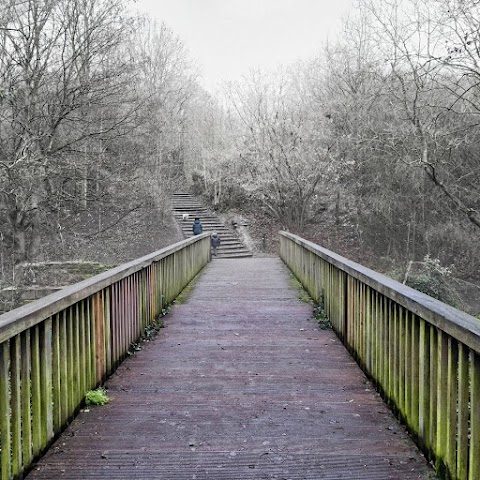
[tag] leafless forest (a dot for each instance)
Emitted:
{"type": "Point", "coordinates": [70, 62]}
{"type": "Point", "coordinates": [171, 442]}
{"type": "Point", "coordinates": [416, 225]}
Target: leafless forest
{"type": "Point", "coordinates": [102, 115]}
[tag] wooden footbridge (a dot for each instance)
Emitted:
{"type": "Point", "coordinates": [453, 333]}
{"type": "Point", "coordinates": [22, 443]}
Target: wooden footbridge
{"type": "Point", "coordinates": [241, 383]}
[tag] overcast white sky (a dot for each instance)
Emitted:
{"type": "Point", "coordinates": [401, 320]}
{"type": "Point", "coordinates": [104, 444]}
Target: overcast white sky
{"type": "Point", "coordinates": [228, 37]}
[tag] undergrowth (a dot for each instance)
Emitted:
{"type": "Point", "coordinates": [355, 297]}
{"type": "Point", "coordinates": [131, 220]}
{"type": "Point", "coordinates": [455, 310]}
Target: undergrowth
{"type": "Point", "coordinates": [150, 331]}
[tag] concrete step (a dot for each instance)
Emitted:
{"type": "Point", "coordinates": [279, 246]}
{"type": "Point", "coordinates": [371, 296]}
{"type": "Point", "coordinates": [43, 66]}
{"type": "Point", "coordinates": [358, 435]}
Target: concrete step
{"type": "Point", "coordinates": [208, 228]}
{"type": "Point", "coordinates": [233, 255]}
{"type": "Point", "coordinates": [231, 246]}
{"type": "Point", "coordinates": [224, 239]}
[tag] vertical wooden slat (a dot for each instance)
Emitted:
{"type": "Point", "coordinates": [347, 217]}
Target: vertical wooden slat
{"type": "Point", "coordinates": [452, 395]}
{"type": "Point", "coordinates": [76, 356]}
{"type": "Point", "coordinates": [46, 382]}
{"type": "Point", "coordinates": [131, 317]}
{"type": "Point", "coordinates": [113, 324]}
{"type": "Point", "coordinates": [351, 315]}
{"type": "Point", "coordinates": [36, 391]}
{"type": "Point", "coordinates": [26, 391]}
{"type": "Point", "coordinates": [141, 293]}
{"type": "Point", "coordinates": [5, 425]}
{"type": "Point", "coordinates": [146, 280]}
{"type": "Point", "coordinates": [368, 329]}
{"type": "Point", "coordinates": [391, 352]}
{"type": "Point", "coordinates": [385, 347]}
{"type": "Point", "coordinates": [379, 336]}
{"type": "Point", "coordinates": [119, 322]}
{"type": "Point", "coordinates": [123, 318]}
{"type": "Point", "coordinates": [424, 387]}
{"type": "Point", "coordinates": [93, 352]}
{"type": "Point", "coordinates": [64, 367]}
{"type": "Point", "coordinates": [353, 312]}
{"type": "Point", "coordinates": [442, 408]}
{"type": "Point", "coordinates": [126, 312]}
{"type": "Point", "coordinates": [463, 411]}
{"type": "Point", "coordinates": [408, 367]}
{"type": "Point", "coordinates": [401, 362]}
{"type": "Point", "coordinates": [396, 354]}
{"type": "Point", "coordinates": [345, 308]}
{"type": "Point", "coordinates": [414, 373]}
{"type": "Point", "coordinates": [56, 378]}
{"type": "Point", "coordinates": [361, 324]}
{"type": "Point", "coordinates": [140, 321]}
{"type": "Point", "coordinates": [121, 327]}
{"type": "Point", "coordinates": [358, 323]}
{"type": "Point", "coordinates": [82, 350]}
{"type": "Point", "coordinates": [90, 379]}
{"type": "Point", "coordinates": [70, 364]}
{"type": "Point", "coordinates": [16, 404]}
{"type": "Point", "coordinates": [474, 463]}
{"type": "Point", "coordinates": [99, 337]}
{"type": "Point", "coordinates": [138, 293]}
{"type": "Point", "coordinates": [433, 389]}
{"type": "Point", "coordinates": [156, 298]}
{"type": "Point", "coordinates": [108, 331]}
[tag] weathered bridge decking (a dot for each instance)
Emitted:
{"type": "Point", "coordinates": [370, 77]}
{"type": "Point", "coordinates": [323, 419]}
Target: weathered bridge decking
{"type": "Point", "coordinates": [241, 384]}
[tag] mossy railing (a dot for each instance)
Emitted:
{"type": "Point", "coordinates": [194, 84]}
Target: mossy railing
{"type": "Point", "coordinates": [423, 355]}
{"type": "Point", "coordinates": [54, 350]}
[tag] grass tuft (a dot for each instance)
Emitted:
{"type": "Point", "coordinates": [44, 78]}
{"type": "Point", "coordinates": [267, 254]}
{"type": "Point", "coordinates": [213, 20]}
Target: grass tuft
{"type": "Point", "coordinates": [97, 397]}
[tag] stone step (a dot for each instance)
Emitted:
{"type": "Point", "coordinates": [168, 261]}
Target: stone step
{"type": "Point", "coordinates": [231, 246]}
{"type": "Point", "coordinates": [178, 205]}
{"type": "Point", "coordinates": [224, 236]}
{"type": "Point", "coordinates": [233, 255]}
{"type": "Point", "coordinates": [204, 224]}
{"type": "Point", "coordinates": [209, 228]}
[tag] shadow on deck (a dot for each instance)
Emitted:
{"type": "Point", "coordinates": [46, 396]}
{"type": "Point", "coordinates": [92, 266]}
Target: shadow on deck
{"type": "Point", "coordinates": [241, 384]}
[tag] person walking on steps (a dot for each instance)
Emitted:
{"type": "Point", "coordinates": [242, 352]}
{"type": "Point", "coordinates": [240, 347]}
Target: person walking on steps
{"type": "Point", "coordinates": [197, 227]}
{"type": "Point", "coordinates": [215, 241]}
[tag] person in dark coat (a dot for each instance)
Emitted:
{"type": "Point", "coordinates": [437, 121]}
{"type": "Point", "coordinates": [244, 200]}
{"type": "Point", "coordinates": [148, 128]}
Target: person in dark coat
{"type": "Point", "coordinates": [197, 227]}
{"type": "Point", "coordinates": [215, 241]}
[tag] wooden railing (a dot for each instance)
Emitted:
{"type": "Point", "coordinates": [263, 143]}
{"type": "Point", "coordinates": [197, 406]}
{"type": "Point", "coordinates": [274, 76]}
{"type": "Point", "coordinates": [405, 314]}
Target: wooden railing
{"type": "Point", "coordinates": [54, 350]}
{"type": "Point", "coordinates": [423, 355]}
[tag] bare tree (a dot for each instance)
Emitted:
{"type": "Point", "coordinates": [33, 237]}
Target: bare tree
{"type": "Point", "coordinates": [281, 149]}
{"type": "Point", "coordinates": [400, 93]}
{"type": "Point", "coordinates": [433, 75]}
{"type": "Point", "coordinates": [61, 72]}
{"type": "Point", "coordinates": [167, 83]}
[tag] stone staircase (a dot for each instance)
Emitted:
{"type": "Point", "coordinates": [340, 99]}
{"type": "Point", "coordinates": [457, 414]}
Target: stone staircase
{"type": "Point", "coordinates": [185, 204]}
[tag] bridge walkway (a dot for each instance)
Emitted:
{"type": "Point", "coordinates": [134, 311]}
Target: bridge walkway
{"type": "Point", "coordinates": [241, 384]}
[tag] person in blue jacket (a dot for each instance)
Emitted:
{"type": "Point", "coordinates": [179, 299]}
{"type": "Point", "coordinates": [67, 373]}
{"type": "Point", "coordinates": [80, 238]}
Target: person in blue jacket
{"type": "Point", "coordinates": [197, 227]}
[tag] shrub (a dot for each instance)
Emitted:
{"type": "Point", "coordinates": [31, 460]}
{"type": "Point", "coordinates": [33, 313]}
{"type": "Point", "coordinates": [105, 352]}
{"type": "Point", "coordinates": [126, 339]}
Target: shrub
{"type": "Point", "coordinates": [432, 278]}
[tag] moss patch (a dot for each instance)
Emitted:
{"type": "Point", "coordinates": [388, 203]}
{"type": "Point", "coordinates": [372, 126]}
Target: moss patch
{"type": "Point", "coordinates": [97, 397]}
{"type": "Point", "coordinates": [303, 295]}
{"type": "Point", "coordinates": [183, 296]}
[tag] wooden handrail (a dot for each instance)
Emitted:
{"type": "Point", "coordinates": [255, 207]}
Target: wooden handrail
{"type": "Point", "coordinates": [54, 350]}
{"type": "Point", "coordinates": [423, 355]}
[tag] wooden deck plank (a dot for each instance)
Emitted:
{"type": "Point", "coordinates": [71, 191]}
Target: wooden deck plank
{"type": "Point", "coordinates": [241, 384]}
